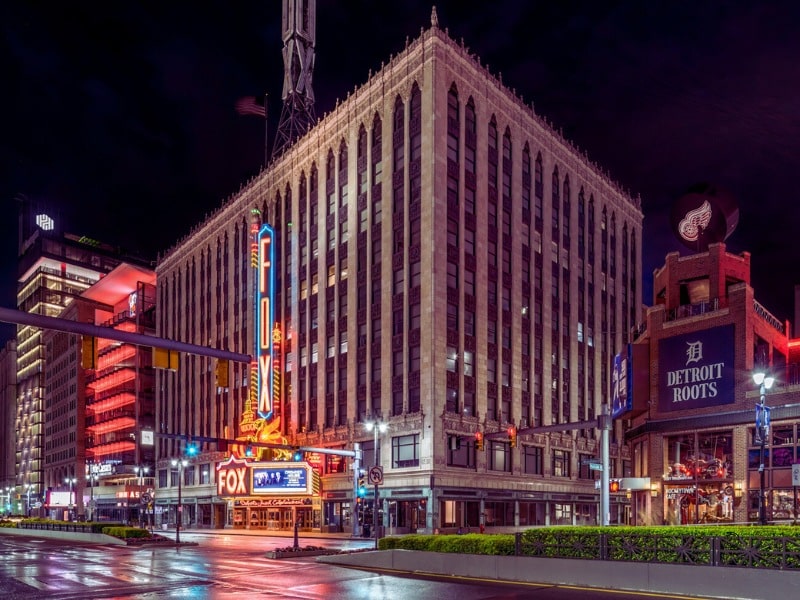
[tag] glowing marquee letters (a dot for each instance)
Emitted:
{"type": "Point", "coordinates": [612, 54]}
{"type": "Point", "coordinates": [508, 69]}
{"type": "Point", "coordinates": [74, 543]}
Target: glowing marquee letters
{"type": "Point", "coordinates": [265, 320]}
{"type": "Point", "coordinates": [232, 482]}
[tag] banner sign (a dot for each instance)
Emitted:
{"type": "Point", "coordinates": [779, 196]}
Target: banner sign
{"type": "Point", "coordinates": [622, 398]}
{"type": "Point", "coordinates": [696, 369]}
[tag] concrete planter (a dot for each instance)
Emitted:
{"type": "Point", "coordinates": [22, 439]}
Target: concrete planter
{"type": "Point", "coordinates": [278, 554]}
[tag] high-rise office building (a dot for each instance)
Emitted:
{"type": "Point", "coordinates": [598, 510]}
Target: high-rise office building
{"type": "Point", "coordinates": [444, 262]}
{"type": "Point", "coordinates": [54, 268]}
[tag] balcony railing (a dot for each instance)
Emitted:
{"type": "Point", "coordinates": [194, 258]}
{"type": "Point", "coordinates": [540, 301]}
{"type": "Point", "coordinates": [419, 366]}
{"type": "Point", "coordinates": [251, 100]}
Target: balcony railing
{"type": "Point", "coordinates": [699, 308]}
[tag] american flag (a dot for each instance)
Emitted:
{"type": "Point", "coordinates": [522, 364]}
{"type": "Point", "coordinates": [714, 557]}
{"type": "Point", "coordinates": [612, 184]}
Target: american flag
{"type": "Point", "coordinates": [250, 106]}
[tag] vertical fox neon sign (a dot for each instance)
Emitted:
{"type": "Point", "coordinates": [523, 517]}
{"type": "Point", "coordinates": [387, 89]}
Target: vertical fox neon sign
{"type": "Point", "coordinates": [265, 320]}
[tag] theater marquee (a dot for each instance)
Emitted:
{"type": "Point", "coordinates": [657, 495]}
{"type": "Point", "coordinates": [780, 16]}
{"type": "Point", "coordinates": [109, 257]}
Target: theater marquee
{"type": "Point", "coordinates": [265, 320]}
{"type": "Point", "coordinates": [696, 369]}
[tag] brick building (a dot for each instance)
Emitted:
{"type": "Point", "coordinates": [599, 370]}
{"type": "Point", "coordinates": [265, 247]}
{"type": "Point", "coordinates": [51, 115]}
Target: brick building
{"type": "Point", "coordinates": [696, 438]}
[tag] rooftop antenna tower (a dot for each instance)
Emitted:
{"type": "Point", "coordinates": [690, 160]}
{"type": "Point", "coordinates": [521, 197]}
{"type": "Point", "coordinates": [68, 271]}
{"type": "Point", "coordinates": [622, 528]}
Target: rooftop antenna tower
{"type": "Point", "coordinates": [298, 30]}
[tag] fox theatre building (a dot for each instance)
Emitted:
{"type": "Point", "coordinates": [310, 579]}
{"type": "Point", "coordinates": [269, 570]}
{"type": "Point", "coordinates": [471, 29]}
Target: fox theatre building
{"type": "Point", "coordinates": [272, 495]}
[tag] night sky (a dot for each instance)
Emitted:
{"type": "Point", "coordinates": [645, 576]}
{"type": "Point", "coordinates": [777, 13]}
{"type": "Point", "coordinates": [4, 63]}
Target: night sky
{"type": "Point", "coordinates": [121, 114]}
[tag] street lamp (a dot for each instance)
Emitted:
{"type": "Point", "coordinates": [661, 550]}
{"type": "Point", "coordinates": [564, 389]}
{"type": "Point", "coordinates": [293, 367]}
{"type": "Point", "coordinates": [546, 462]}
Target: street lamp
{"type": "Point", "coordinates": [28, 488]}
{"type": "Point", "coordinates": [92, 479]}
{"type": "Point", "coordinates": [141, 472]}
{"type": "Point", "coordinates": [375, 427]}
{"type": "Point", "coordinates": [71, 481]}
{"type": "Point", "coordinates": [764, 382]}
{"type": "Point", "coordinates": [180, 464]}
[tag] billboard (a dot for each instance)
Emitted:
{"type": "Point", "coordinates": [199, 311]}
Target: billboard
{"type": "Point", "coordinates": [281, 480]}
{"type": "Point", "coordinates": [696, 369]}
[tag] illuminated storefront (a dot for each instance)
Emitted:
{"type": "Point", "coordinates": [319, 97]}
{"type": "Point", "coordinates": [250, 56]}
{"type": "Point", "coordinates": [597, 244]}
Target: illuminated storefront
{"type": "Point", "coordinates": [273, 495]}
{"type": "Point", "coordinates": [696, 438]}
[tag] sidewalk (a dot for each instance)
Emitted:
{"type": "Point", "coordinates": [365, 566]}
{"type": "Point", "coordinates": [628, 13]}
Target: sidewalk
{"type": "Point", "coordinates": [265, 533]}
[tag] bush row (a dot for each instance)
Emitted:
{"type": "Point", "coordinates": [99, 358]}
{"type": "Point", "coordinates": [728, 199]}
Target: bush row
{"type": "Point", "coordinates": [775, 547]}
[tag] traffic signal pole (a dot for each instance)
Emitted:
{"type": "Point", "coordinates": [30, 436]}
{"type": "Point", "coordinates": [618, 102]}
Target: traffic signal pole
{"type": "Point", "coordinates": [605, 497]}
{"type": "Point", "coordinates": [356, 473]}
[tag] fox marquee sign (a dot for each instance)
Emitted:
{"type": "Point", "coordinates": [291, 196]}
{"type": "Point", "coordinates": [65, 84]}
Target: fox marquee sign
{"type": "Point", "coordinates": [696, 369]}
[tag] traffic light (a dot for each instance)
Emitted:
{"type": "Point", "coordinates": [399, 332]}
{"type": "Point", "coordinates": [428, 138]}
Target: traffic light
{"type": "Point", "coordinates": [88, 352]}
{"type": "Point", "coordinates": [479, 440]}
{"type": "Point", "coordinates": [613, 485]}
{"type": "Point", "coordinates": [191, 449]}
{"type": "Point", "coordinates": [512, 436]}
{"type": "Point", "coordinates": [362, 483]}
{"type": "Point", "coordinates": [221, 373]}
{"type": "Point", "coordinates": [297, 456]}
{"type": "Point", "coordinates": [248, 451]}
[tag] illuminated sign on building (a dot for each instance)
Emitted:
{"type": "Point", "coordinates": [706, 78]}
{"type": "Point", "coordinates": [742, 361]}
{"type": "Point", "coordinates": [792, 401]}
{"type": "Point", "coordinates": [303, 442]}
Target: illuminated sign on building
{"type": "Point", "coordinates": [45, 222]}
{"type": "Point", "coordinates": [620, 384]}
{"type": "Point", "coordinates": [265, 320]}
{"type": "Point", "coordinates": [232, 477]}
{"type": "Point", "coordinates": [237, 477]}
{"type": "Point", "coordinates": [696, 369]}
{"type": "Point", "coordinates": [132, 304]}
{"type": "Point", "coordinates": [281, 480]}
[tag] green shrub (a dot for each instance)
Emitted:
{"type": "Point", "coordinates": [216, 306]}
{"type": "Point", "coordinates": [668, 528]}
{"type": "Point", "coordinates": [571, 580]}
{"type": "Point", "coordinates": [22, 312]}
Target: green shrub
{"type": "Point", "coordinates": [126, 533]}
{"type": "Point", "coordinates": [774, 547]}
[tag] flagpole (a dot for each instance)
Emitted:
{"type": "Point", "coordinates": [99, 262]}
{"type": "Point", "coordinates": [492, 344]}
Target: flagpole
{"type": "Point", "coordinates": [266, 131]}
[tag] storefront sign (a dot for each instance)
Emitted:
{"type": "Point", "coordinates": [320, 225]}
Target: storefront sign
{"type": "Point", "coordinates": [677, 492]}
{"type": "Point", "coordinates": [696, 369]}
{"type": "Point", "coordinates": [271, 502]}
{"type": "Point", "coordinates": [265, 320]}
{"type": "Point", "coordinates": [232, 478]}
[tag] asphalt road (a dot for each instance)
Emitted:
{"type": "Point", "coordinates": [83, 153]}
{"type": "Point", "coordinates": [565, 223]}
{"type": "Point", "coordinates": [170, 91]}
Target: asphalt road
{"type": "Point", "coordinates": [233, 566]}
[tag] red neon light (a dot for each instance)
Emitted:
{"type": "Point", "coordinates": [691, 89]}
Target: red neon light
{"type": "Point", "coordinates": [113, 425]}
{"type": "Point", "coordinates": [112, 380]}
{"type": "Point", "coordinates": [116, 356]}
{"type": "Point", "coordinates": [115, 401]}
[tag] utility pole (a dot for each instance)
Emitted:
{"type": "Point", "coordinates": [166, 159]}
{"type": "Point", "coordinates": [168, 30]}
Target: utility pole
{"type": "Point", "coordinates": [604, 422]}
{"type": "Point", "coordinates": [356, 471]}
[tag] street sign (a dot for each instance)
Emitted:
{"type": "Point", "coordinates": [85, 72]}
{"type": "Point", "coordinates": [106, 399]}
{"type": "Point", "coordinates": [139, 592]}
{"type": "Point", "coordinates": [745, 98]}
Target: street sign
{"type": "Point", "coordinates": [594, 464]}
{"type": "Point", "coordinates": [796, 474]}
{"type": "Point", "coordinates": [375, 475]}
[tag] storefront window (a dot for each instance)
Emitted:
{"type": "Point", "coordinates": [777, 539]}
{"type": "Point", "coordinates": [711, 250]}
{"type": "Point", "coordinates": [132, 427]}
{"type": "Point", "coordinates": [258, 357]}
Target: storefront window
{"type": "Point", "coordinates": [784, 504]}
{"type": "Point", "coordinates": [698, 478]}
{"type": "Point", "coordinates": [779, 455]}
{"type": "Point", "coordinates": [561, 514]}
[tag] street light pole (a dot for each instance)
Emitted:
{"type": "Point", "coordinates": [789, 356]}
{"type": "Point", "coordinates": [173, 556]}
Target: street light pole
{"type": "Point", "coordinates": [376, 427]}
{"type": "Point", "coordinates": [93, 477]}
{"type": "Point", "coordinates": [180, 464]}
{"type": "Point", "coordinates": [28, 487]}
{"type": "Point", "coordinates": [764, 382]}
{"type": "Point", "coordinates": [141, 472]}
{"type": "Point", "coordinates": [71, 481]}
